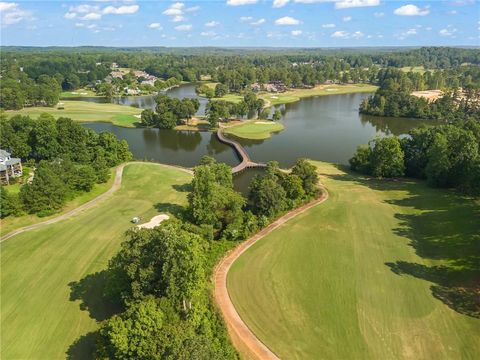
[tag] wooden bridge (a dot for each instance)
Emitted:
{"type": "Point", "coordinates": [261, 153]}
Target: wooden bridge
{"type": "Point", "coordinates": [245, 161]}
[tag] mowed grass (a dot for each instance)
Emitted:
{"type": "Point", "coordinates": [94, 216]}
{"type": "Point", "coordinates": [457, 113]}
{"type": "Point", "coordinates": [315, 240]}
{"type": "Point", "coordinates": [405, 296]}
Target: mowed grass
{"type": "Point", "coordinates": [41, 316]}
{"type": "Point", "coordinates": [366, 275]}
{"type": "Point", "coordinates": [85, 111]}
{"type": "Point", "coordinates": [11, 223]}
{"type": "Point", "coordinates": [232, 98]}
{"type": "Point", "coordinates": [255, 129]}
{"type": "Point", "coordinates": [77, 93]}
{"type": "Point", "coordinates": [320, 90]}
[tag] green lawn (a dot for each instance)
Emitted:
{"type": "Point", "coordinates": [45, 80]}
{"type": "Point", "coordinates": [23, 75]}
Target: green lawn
{"type": "Point", "coordinates": [11, 223]}
{"type": "Point", "coordinates": [255, 129]}
{"type": "Point", "coordinates": [320, 90]}
{"type": "Point", "coordinates": [85, 111]}
{"type": "Point", "coordinates": [415, 69]}
{"type": "Point", "coordinates": [41, 315]}
{"type": "Point", "coordinates": [381, 270]}
{"type": "Point", "coordinates": [77, 93]}
{"type": "Point", "coordinates": [233, 98]}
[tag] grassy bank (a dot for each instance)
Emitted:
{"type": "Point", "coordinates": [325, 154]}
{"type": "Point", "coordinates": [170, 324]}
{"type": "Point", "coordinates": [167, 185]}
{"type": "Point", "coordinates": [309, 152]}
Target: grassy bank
{"type": "Point", "coordinates": [254, 129]}
{"type": "Point", "coordinates": [381, 270]}
{"type": "Point", "coordinates": [12, 223]}
{"type": "Point", "coordinates": [320, 90]}
{"type": "Point", "coordinates": [45, 307]}
{"type": "Point", "coordinates": [77, 93]}
{"type": "Point", "coordinates": [84, 111]}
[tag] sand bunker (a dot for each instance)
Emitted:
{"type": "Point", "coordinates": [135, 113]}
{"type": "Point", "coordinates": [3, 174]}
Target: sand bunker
{"type": "Point", "coordinates": [155, 221]}
{"type": "Point", "coordinates": [264, 122]}
{"type": "Point", "coordinates": [138, 116]}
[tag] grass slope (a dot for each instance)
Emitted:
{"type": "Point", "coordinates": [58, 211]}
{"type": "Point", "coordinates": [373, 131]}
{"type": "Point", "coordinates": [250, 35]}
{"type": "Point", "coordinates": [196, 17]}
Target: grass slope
{"type": "Point", "coordinates": [255, 129]}
{"type": "Point", "coordinates": [77, 93]}
{"type": "Point", "coordinates": [320, 90]}
{"type": "Point", "coordinates": [84, 111]}
{"type": "Point", "coordinates": [41, 315]}
{"type": "Point", "coordinates": [361, 276]}
{"type": "Point", "coordinates": [11, 223]}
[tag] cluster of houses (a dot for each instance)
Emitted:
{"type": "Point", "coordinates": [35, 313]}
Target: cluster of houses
{"type": "Point", "coordinates": [146, 79]}
{"type": "Point", "coordinates": [9, 167]}
{"type": "Point", "coordinates": [273, 86]}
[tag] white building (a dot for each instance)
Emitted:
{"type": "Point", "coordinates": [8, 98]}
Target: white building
{"type": "Point", "coordinates": [9, 167]}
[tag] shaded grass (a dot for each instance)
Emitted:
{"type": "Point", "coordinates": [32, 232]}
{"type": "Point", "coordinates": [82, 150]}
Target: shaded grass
{"type": "Point", "coordinates": [51, 278]}
{"type": "Point", "coordinates": [11, 223]}
{"type": "Point", "coordinates": [255, 129]}
{"type": "Point", "coordinates": [85, 111]}
{"type": "Point", "coordinates": [77, 93]}
{"type": "Point", "coordinates": [381, 270]}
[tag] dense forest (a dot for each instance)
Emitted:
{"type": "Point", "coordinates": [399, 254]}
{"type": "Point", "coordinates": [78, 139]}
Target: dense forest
{"type": "Point", "coordinates": [32, 76]}
{"type": "Point", "coordinates": [67, 158]}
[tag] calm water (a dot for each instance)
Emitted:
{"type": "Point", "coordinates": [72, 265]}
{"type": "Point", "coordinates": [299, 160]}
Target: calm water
{"type": "Point", "coordinates": [327, 128]}
{"type": "Point", "coordinates": [148, 101]}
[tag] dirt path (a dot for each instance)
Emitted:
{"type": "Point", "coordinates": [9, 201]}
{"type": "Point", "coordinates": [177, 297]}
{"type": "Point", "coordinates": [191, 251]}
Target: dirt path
{"type": "Point", "coordinates": [117, 182]}
{"type": "Point", "coordinates": [242, 337]}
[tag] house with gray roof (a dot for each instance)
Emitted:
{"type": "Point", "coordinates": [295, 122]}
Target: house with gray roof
{"type": "Point", "coordinates": [9, 167]}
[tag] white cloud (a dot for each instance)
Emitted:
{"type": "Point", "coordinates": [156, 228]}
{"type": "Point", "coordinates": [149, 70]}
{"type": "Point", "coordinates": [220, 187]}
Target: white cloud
{"type": "Point", "coordinates": [258, 22]}
{"type": "Point", "coordinates": [410, 32]}
{"type": "Point", "coordinates": [91, 16]}
{"type": "Point", "coordinates": [241, 2]}
{"type": "Point", "coordinates": [347, 18]}
{"type": "Point", "coordinates": [178, 18]}
{"type": "Point", "coordinates": [155, 26]}
{"type": "Point", "coordinates": [177, 5]}
{"type": "Point", "coordinates": [448, 32]}
{"type": "Point", "coordinates": [340, 34]}
{"type": "Point", "coordinates": [183, 27]}
{"type": "Point", "coordinates": [212, 23]}
{"type": "Point", "coordinates": [246, 18]}
{"type": "Point", "coordinates": [411, 10]}
{"type": "Point", "coordinates": [280, 3]}
{"type": "Point", "coordinates": [453, 12]}
{"type": "Point", "coordinates": [345, 4]}
{"type": "Point", "coordinates": [379, 14]}
{"type": "Point", "coordinates": [173, 12]}
{"type": "Point", "coordinates": [296, 32]}
{"type": "Point", "coordinates": [83, 9]}
{"type": "Point", "coordinates": [328, 26]}
{"type": "Point", "coordinates": [346, 35]}
{"type": "Point", "coordinates": [208, 33]}
{"type": "Point", "coordinates": [192, 9]}
{"type": "Point", "coordinates": [11, 13]}
{"type": "Point", "coordinates": [70, 15]}
{"type": "Point", "coordinates": [287, 20]}
{"type": "Point", "coordinates": [121, 10]}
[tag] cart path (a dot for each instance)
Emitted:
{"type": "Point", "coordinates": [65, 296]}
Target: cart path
{"type": "Point", "coordinates": [117, 182]}
{"type": "Point", "coordinates": [242, 337]}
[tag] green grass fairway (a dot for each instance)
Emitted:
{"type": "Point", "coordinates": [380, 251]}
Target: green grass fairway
{"type": "Point", "coordinates": [321, 90]}
{"type": "Point", "coordinates": [233, 98]}
{"type": "Point", "coordinates": [77, 93]}
{"type": "Point", "coordinates": [41, 316]}
{"type": "Point", "coordinates": [87, 111]}
{"type": "Point", "coordinates": [366, 275]}
{"type": "Point", "coordinates": [255, 129]}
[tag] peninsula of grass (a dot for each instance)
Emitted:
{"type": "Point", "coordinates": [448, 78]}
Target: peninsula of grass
{"type": "Point", "coordinates": [320, 90]}
{"type": "Point", "coordinates": [85, 111]}
{"type": "Point", "coordinates": [11, 223]}
{"type": "Point", "coordinates": [380, 270]}
{"type": "Point", "coordinates": [232, 98]}
{"type": "Point", "coordinates": [52, 287]}
{"type": "Point", "coordinates": [254, 129]}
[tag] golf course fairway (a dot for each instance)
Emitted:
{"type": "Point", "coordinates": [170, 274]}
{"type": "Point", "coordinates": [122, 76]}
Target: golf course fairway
{"type": "Point", "coordinates": [381, 270]}
{"type": "Point", "coordinates": [51, 278]}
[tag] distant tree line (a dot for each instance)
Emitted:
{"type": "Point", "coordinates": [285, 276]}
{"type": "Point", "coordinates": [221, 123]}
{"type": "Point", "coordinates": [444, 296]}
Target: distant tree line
{"type": "Point", "coordinates": [68, 159]}
{"type": "Point", "coordinates": [22, 69]}
{"type": "Point", "coordinates": [446, 156]}
{"type": "Point", "coordinates": [394, 98]}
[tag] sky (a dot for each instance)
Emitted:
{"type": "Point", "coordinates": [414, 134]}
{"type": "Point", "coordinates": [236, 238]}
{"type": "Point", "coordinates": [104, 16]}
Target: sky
{"type": "Point", "coordinates": [241, 23]}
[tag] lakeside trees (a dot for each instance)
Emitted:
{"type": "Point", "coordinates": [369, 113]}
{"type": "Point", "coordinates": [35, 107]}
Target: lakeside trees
{"type": "Point", "coordinates": [446, 156]}
{"type": "Point", "coordinates": [70, 159]}
{"type": "Point", "coordinates": [169, 112]}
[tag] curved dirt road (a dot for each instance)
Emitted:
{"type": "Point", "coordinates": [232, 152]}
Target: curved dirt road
{"type": "Point", "coordinates": [117, 182]}
{"type": "Point", "coordinates": [242, 337]}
